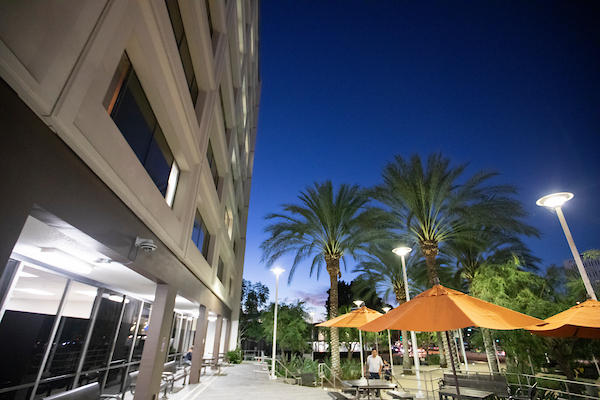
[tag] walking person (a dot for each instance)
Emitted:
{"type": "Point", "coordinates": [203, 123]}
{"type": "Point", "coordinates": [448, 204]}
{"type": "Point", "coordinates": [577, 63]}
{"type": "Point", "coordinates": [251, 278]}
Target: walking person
{"type": "Point", "coordinates": [374, 366]}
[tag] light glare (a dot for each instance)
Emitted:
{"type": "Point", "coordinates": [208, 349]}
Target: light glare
{"type": "Point", "coordinates": [402, 251]}
{"type": "Point", "coordinates": [554, 200]}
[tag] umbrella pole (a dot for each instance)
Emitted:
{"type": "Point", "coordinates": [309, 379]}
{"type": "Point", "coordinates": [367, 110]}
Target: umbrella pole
{"type": "Point", "coordinates": [362, 363]}
{"type": "Point", "coordinates": [464, 353]}
{"type": "Point", "coordinates": [596, 362]}
{"type": "Point", "coordinates": [390, 347]}
{"type": "Point", "coordinates": [454, 370]}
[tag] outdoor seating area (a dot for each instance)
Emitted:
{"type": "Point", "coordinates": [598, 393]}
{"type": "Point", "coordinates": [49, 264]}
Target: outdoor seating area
{"type": "Point", "coordinates": [474, 385]}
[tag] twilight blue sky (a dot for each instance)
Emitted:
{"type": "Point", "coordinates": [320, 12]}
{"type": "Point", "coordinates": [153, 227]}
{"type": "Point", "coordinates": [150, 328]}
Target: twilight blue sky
{"type": "Point", "coordinates": [512, 86]}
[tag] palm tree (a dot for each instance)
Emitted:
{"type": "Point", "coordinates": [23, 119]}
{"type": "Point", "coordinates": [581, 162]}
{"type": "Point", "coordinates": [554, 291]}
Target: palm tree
{"type": "Point", "coordinates": [326, 227]}
{"type": "Point", "coordinates": [382, 271]}
{"type": "Point", "coordinates": [432, 206]}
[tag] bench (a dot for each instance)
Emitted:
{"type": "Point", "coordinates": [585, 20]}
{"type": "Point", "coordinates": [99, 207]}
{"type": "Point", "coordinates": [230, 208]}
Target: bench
{"type": "Point", "coordinates": [337, 396]}
{"type": "Point", "coordinates": [484, 382]}
{"type": "Point", "coordinates": [131, 381]}
{"type": "Point", "coordinates": [400, 395]}
{"type": "Point", "coordinates": [88, 392]}
{"type": "Point", "coordinates": [172, 373]}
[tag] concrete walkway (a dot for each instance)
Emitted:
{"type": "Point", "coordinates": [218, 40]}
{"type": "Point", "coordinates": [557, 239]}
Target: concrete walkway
{"type": "Point", "coordinates": [241, 382]}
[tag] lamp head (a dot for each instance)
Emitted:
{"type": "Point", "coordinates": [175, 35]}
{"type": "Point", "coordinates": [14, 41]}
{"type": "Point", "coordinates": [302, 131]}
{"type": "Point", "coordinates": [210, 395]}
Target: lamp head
{"type": "Point", "coordinates": [386, 309]}
{"type": "Point", "coordinates": [358, 302]}
{"type": "Point", "coordinates": [402, 251]}
{"type": "Point", "coordinates": [277, 271]}
{"type": "Point", "coordinates": [555, 200]}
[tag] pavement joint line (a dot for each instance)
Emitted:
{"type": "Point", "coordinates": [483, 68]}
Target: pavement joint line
{"type": "Point", "coordinates": [201, 388]}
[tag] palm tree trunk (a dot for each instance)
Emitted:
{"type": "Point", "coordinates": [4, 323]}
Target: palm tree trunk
{"type": "Point", "coordinates": [442, 351]}
{"type": "Point", "coordinates": [447, 348]}
{"type": "Point", "coordinates": [406, 363]}
{"type": "Point", "coordinates": [489, 349]}
{"type": "Point", "coordinates": [333, 268]}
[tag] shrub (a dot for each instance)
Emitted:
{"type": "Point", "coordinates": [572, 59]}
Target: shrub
{"type": "Point", "coordinates": [235, 356]}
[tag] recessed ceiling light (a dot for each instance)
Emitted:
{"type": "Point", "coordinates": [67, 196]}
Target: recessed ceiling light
{"type": "Point", "coordinates": [66, 261]}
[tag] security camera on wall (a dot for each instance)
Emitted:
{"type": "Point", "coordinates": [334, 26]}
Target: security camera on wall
{"type": "Point", "coordinates": [145, 244]}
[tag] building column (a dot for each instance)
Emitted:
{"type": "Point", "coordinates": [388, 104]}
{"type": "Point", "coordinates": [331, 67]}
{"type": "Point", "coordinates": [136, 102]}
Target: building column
{"type": "Point", "coordinates": [157, 344]}
{"type": "Point", "coordinates": [217, 344]}
{"type": "Point", "coordinates": [227, 336]}
{"type": "Point", "coordinates": [199, 341]}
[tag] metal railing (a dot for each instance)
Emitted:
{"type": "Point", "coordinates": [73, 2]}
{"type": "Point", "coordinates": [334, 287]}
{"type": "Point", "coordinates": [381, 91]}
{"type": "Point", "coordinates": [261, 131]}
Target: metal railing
{"type": "Point", "coordinates": [287, 375]}
{"type": "Point", "coordinates": [322, 369]}
{"type": "Point", "coordinates": [548, 386]}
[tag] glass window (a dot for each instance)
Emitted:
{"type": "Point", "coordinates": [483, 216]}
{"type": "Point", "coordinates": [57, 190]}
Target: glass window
{"type": "Point", "coordinates": [222, 107]}
{"type": "Point", "coordinates": [126, 331]}
{"type": "Point", "coordinates": [221, 270]}
{"type": "Point", "coordinates": [183, 47]}
{"type": "Point", "coordinates": [200, 235]}
{"type": "Point", "coordinates": [135, 119]}
{"type": "Point", "coordinates": [67, 346]}
{"type": "Point", "coordinates": [229, 222]}
{"type": "Point", "coordinates": [210, 25]}
{"type": "Point", "coordinates": [104, 332]}
{"type": "Point", "coordinates": [27, 323]}
{"type": "Point", "coordinates": [142, 329]}
{"type": "Point", "coordinates": [212, 163]}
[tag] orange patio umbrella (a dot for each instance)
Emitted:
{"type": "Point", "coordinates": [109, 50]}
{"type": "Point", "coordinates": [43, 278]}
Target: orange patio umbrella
{"type": "Point", "coordinates": [354, 319]}
{"type": "Point", "coordinates": [582, 321]}
{"type": "Point", "coordinates": [441, 309]}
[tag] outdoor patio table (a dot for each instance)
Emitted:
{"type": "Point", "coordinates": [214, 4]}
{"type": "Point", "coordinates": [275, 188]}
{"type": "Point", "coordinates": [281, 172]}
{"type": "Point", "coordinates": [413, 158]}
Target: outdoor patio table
{"type": "Point", "coordinates": [465, 393]}
{"type": "Point", "coordinates": [369, 387]}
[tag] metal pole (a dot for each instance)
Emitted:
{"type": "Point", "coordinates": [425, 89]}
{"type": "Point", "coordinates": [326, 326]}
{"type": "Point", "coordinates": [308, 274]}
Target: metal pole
{"type": "Point", "coordinates": [584, 276]}
{"type": "Point", "coordinates": [275, 329]}
{"type": "Point", "coordinates": [412, 334]}
{"type": "Point", "coordinates": [362, 362]}
{"type": "Point", "coordinates": [462, 347]}
{"type": "Point", "coordinates": [390, 347]}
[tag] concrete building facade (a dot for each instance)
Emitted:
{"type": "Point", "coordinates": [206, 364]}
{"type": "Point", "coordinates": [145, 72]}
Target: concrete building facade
{"type": "Point", "coordinates": [127, 134]}
{"type": "Point", "coordinates": [592, 268]}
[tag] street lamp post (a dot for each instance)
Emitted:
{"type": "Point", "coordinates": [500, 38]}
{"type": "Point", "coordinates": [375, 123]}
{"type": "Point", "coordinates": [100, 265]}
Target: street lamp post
{"type": "Point", "coordinates": [362, 363]}
{"type": "Point", "coordinates": [403, 251]}
{"type": "Point", "coordinates": [554, 202]}
{"type": "Point", "coordinates": [277, 271]}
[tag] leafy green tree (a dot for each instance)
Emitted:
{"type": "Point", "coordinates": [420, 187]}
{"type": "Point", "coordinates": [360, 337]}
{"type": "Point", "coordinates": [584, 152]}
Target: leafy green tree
{"type": "Point", "coordinates": [357, 289]}
{"type": "Point", "coordinates": [254, 301]}
{"type": "Point", "coordinates": [488, 249]}
{"type": "Point", "coordinates": [326, 227]}
{"type": "Point", "coordinates": [540, 297]}
{"type": "Point", "coordinates": [591, 254]}
{"type": "Point", "coordinates": [293, 332]}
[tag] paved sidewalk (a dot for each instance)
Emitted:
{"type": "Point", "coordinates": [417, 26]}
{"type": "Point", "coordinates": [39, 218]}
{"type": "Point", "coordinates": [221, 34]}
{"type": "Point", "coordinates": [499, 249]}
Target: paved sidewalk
{"type": "Point", "coordinates": [241, 382]}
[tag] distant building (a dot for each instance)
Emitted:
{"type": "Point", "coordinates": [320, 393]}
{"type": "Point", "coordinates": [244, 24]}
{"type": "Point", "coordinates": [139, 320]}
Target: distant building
{"type": "Point", "coordinates": [592, 268]}
{"type": "Point", "coordinates": [127, 134]}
